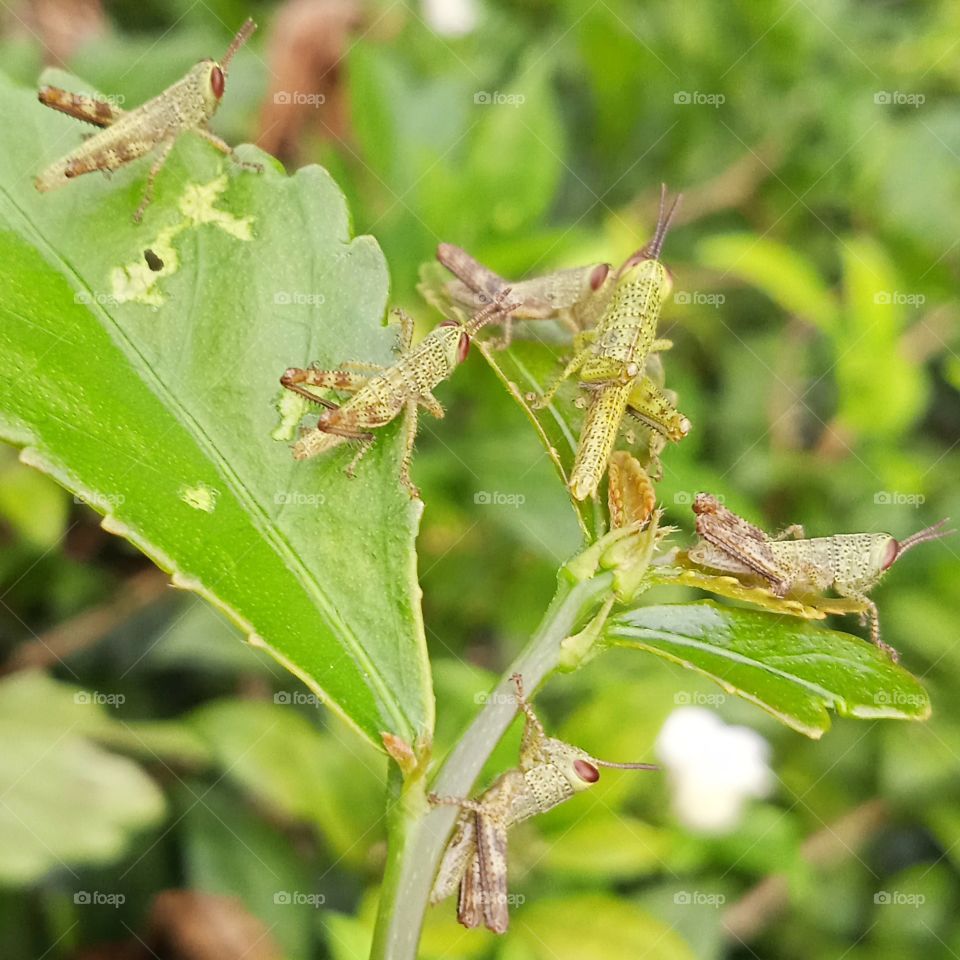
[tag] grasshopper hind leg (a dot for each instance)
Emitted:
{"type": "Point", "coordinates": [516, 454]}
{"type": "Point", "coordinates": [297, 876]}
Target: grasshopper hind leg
{"type": "Point", "coordinates": [297, 379]}
{"type": "Point", "coordinates": [101, 113]}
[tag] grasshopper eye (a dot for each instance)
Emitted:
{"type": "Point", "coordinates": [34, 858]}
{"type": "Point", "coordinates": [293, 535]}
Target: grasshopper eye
{"type": "Point", "coordinates": [891, 554]}
{"type": "Point", "coordinates": [598, 275]}
{"type": "Point", "coordinates": [586, 771]}
{"type": "Point", "coordinates": [463, 348]}
{"type": "Point", "coordinates": [216, 82]}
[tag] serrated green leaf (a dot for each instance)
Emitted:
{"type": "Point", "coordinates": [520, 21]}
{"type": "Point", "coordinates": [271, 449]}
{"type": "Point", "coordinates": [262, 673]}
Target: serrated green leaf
{"type": "Point", "coordinates": [153, 395]}
{"type": "Point", "coordinates": [792, 669]}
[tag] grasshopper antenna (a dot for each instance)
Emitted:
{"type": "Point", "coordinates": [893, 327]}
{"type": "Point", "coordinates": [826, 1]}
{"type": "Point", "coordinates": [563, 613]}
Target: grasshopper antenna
{"type": "Point", "coordinates": [624, 766]}
{"type": "Point", "coordinates": [664, 218]}
{"type": "Point", "coordinates": [930, 533]}
{"type": "Point", "coordinates": [651, 251]}
{"type": "Point", "coordinates": [499, 305]}
{"type": "Point", "coordinates": [243, 35]}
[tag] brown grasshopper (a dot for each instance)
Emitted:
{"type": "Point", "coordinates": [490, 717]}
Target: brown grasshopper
{"type": "Point", "coordinates": [475, 860]}
{"type": "Point", "coordinates": [850, 563]}
{"type": "Point", "coordinates": [576, 296]}
{"type": "Point", "coordinates": [187, 105]}
{"type": "Point", "coordinates": [381, 393]}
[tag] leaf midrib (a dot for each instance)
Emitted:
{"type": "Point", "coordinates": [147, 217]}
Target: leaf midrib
{"type": "Point", "coordinates": [685, 641]}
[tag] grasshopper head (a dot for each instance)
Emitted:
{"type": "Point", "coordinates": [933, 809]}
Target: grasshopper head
{"type": "Point", "coordinates": [209, 77]}
{"type": "Point", "coordinates": [575, 765]}
{"type": "Point", "coordinates": [578, 768]}
{"type": "Point", "coordinates": [457, 346]}
{"type": "Point", "coordinates": [885, 551]}
{"type": "Point", "coordinates": [213, 75]}
{"type": "Point", "coordinates": [647, 271]}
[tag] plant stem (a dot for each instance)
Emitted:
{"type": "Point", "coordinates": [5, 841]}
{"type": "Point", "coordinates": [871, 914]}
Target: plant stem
{"type": "Point", "coordinates": [418, 833]}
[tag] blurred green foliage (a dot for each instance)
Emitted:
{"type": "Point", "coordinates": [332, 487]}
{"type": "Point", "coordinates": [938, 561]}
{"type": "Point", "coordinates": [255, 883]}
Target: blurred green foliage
{"type": "Point", "coordinates": [815, 321]}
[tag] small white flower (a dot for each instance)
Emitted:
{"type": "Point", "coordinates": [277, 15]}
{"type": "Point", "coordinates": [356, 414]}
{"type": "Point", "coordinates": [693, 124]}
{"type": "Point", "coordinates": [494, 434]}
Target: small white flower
{"type": "Point", "coordinates": [712, 768]}
{"type": "Point", "coordinates": [450, 18]}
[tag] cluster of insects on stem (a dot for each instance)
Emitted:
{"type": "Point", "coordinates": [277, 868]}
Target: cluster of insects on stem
{"type": "Point", "coordinates": [612, 314]}
{"type": "Point", "coordinates": [613, 317]}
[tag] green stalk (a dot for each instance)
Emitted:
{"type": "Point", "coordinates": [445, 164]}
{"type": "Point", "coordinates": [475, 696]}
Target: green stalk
{"type": "Point", "coordinates": [418, 834]}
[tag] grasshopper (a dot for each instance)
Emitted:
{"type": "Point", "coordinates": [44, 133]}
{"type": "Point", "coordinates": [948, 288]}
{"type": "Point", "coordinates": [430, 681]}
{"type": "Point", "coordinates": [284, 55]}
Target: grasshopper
{"type": "Point", "coordinates": [187, 105]}
{"type": "Point", "coordinates": [475, 860]}
{"type": "Point", "coordinates": [611, 361]}
{"type": "Point", "coordinates": [626, 333]}
{"type": "Point", "coordinates": [379, 394]}
{"type": "Point", "coordinates": [576, 296]}
{"type": "Point", "coordinates": [850, 563]}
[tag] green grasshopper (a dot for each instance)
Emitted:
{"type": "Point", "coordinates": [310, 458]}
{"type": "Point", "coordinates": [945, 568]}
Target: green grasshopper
{"type": "Point", "coordinates": [380, 394]}
{"type": "Point", "coordinates": [850, 563]}
{"type": "Point", "coordinates": [576, 296]}
{"type": "Point", "coordinates": [475, 860]}
{"type": "Point", "coordinates": [611, 361]}
{"type": "Point", "coordinates": [187, 105]}
{"type": "Point", "coordinates": [626, 333]}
